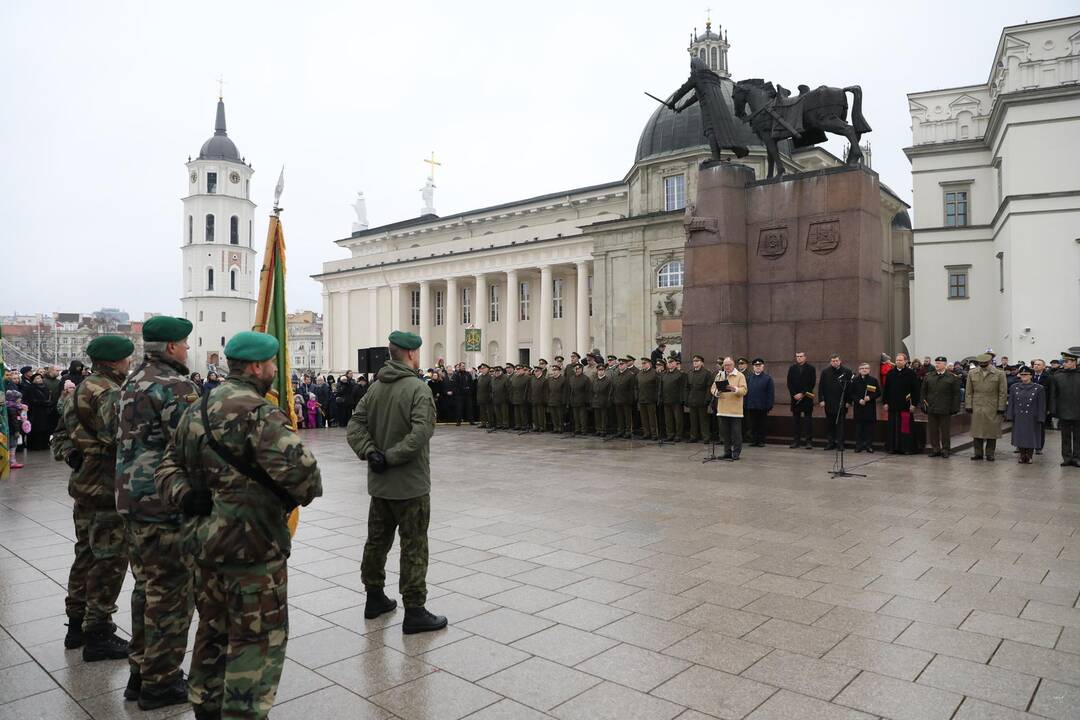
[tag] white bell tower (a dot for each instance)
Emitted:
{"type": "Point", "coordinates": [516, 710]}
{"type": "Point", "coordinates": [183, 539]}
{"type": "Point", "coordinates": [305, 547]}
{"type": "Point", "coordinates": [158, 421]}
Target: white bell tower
{"type": "Point", "coordinates": [219, 265]}
{"type": "Point", "coordinates": [712, 47]}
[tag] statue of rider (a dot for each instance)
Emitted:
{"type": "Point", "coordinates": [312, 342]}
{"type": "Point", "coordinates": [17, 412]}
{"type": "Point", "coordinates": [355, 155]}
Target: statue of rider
{"type": "Point", "coordinates": [720, 127]}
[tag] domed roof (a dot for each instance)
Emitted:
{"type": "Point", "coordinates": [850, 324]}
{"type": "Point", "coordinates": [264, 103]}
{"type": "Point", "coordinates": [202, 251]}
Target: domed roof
{"type": "Point", "coordinates": [902, 220]}
{"type": "Point", "coordinates": [219, 147]}
{"type": "Point", "coordinates": [667, 132]}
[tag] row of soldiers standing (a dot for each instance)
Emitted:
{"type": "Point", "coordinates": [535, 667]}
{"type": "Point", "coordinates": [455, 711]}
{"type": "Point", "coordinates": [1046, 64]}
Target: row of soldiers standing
{"type": "Point", "coordinates": [159, 483]}
{"type": "Point", "coordinates": [613, 399]}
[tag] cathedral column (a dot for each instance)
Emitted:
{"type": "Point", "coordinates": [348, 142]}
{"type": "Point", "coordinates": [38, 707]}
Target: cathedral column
{"type": "Point", "coordinates": [480, 316]}
{"type": "Point", "coordinates": [395, 307]}
{"type": "Point", "coordinates": [543, 343]}
{"type": "Point", "coordinates": [453, 323]}
{"type": "Point", "coordinates": [427, 341]}
{"type": "Point", "coordinates": [582, 310]}
{"type": "Point", "coordinates": [511, 353]}
{"type": "Point", "coordinates": [373, 317]}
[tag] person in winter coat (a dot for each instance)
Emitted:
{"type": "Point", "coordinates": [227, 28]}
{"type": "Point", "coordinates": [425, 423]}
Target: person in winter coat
{"type": "Point", "coordinates": [800, 385]}
{"type": "Point", "coordinates": [833, 398]}
{"type": "Point", "coordinates": [1065, 406]}
{"type": "Point", "coordinates": [1026, 409]}
{"type": "Point", "coordinates": [864, 392]}
{"type": "Point", "coordinates": [36, 398]}
{"type": "Point", "coordinates": [759, 400]}
{"type": "Point", "coordinates": [900, 395]}
{"type": "Point", "coordinates": [985, 398]}
{"type": "Point", "coordinates": [729, 389]}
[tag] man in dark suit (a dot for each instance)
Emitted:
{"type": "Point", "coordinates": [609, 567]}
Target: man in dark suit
{"type": "Point", "coordinates": [800, 383]}
{"type": "Point", "coordinates": [832, 395]}
{"type": "Point", "coordinates": [900, 396]}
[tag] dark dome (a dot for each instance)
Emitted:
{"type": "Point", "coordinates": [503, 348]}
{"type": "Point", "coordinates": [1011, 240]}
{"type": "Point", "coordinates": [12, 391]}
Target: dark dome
{"type": "Point", "coordinates": [902, 220]}
{"type": "Point", "coordinates": [667, 132]}
{"type": "Point", "coordinates": [219, 147]}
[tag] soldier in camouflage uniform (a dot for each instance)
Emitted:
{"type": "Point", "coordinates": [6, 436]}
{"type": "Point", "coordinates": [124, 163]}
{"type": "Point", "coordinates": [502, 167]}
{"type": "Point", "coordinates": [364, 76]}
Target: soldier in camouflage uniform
{"type": "Point", "coordinates": [391, 429]}
{"type": "Point", "coordinates": [240, 535]}
{"type": "Point", "coordinates": [151, 403]}
{"type": "Point", "coordinates": [86, 441]}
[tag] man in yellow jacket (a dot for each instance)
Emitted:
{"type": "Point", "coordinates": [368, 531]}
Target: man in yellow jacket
{"type": "Point", "coordinates": [729, 388]}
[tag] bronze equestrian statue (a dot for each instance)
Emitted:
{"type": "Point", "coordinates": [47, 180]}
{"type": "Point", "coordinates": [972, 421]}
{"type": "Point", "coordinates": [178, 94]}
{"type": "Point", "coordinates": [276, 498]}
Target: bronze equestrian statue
{"type": "Point", "coordinates": [774, 116]}
{"type": "Point", "coordinates": [720, 128]}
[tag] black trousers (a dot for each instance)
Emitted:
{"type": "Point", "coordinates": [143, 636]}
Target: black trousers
{"type": "Point", "coordinates": [1070, 439]}
{"type": "Point", "coordinates": [463, 408]}
{"type": "Point", "coordinates": [731, 435]}
{"type": "Point", "coordinates": [801, 419]}
{"type": "Point", "coordinates": [864, 434]}
{"type": "Point", "coordinates": [896, 440]}
{"type": "Point", "coordinates": [755, 420]}
{"type": "Point", "coordinates": [834, 431]}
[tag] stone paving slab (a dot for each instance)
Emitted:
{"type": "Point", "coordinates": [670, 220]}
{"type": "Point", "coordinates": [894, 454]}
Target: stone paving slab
{"type": "Point", "coordinates": [597, 580]}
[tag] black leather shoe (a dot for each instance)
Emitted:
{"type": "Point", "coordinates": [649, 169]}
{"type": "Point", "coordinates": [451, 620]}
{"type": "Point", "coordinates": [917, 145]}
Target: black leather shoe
{"type": "Point", "coordinates": [869, 449]}
{"type": "Point", "coordinates": [74, 638]}
{"type": "Point", "coordinates": [976, 457]}
{"type": "Point", "coordinates": [202, 713]}
{"type": "Point", "coordinates": [418, 620]}
{"type": "Point", "coordinates": [175, 694]}
{"type": "Point", "coordinates": [795, 446]}
{"type": "Point", "coordinates": [131, 692]}
{"type": "Point", "coordinates": [935, 453]}
{"type": "Point", "coordinates": [103, 644]}
{"type": "Point", "coordinates": [989, 458]}
{"type": "Point", "coordinates": [377, 603]}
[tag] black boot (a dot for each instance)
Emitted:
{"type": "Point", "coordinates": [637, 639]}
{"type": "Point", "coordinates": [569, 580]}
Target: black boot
{"type": "Point", "coordinates": [152, 698]}
{"type": "Point", "coordinates": [377, 603]}
{"type": "Point", "coordinates": [202, 713]}
{"type": "Point", "coordinates": [74, 638]}
{"type": "Point", "coordinates": [131, 692]}
{"type": "Point", "coordinates": [418, 620]}
{"type": "Point", "coordinates": [103, 644]}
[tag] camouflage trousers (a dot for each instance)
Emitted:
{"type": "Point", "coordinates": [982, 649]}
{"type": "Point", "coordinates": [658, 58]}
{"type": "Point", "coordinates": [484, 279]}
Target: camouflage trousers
{"type": "Point", "coordinates": [410, 519]}
{"type": "Point", "coordinates": [240, 643]}
{"type": "Point", "coordinates": [161, 601]}
{"type": "Point", "coordinates": [100, 565]}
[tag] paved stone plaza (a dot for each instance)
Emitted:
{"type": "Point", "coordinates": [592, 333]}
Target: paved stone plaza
{"type": "Point", "coordinates": [589, 580]}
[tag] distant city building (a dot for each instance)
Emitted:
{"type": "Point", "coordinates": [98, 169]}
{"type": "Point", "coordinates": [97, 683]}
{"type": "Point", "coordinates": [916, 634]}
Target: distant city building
{"type": "Point", "coordinates": [59, 338]}
{"type": "Point", "coordinates": [995, 170]}
{"type": "Point", "coordinates": [305, 342]}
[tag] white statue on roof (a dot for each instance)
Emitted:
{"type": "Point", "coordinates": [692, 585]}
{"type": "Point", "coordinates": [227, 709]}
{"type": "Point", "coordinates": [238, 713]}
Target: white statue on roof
{"type": "Point", "coordinates": [359, 206]}
{"type": "Point", "coordinates": [428, 194]}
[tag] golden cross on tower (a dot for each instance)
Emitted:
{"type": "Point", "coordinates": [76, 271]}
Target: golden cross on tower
{"type": "Point", "coordinates": [432, 162]}
{"type": "Point", "coordinates": [708, 19]}
{"type": "Point", "coordinates": [221, 87]}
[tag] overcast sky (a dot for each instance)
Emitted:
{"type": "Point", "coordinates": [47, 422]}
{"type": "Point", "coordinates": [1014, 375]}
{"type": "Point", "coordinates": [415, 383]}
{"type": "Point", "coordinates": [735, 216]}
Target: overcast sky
{"type": "Point", "coordinates": [103, 102]}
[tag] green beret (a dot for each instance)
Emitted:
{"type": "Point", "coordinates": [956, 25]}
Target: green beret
{"type": "Point", "coordinates": [250, 346]}
{"type": "Point", "coordinates": [405, 340]}
{"type": "Point", "coordinates": [162, 328]}
{"type": "Point", "coordinates": [110, 347]}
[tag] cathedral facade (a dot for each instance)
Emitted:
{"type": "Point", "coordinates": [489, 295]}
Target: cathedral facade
{"type": "Point", "coordinates": [594, 267]}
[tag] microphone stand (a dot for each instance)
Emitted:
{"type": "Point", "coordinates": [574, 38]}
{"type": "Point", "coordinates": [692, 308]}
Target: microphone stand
{"type": "Point", "coordinates": [839, 423]}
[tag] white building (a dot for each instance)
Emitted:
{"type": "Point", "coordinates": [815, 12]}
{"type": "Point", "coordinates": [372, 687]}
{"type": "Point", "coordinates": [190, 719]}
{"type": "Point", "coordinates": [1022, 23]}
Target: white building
{"type": "Point", "coordinates": [220, 272]}
{"type": "Point", "coordinates": [996, 177]}
{"type": "Point", "coordinates": [305, 342]}
{"type": "Point", "coordinates": [593, 267]}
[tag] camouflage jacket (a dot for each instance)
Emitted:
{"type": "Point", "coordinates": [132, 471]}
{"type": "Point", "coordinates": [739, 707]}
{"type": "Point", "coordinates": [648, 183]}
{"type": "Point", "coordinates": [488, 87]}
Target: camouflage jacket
{"type": "Point", "coordinates": [91, 429]}
{"type": "Point", "coordinates": [247, 524]}
{"type": "Point", "coordinates": [151, 403]}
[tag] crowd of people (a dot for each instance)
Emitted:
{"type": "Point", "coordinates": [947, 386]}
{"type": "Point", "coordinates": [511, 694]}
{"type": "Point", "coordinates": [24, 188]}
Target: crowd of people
{"type": "Point", "coordinates": [31, 398]}
{"type": "Point", "coordinates": [655, 398]}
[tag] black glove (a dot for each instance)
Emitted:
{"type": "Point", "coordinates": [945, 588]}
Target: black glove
{"type": "Point", "coordinates": [197, 503]}
{"type": "Point", "coordinates": [376, 462]}
{"type": "Point", "coordinates": [74, 459]}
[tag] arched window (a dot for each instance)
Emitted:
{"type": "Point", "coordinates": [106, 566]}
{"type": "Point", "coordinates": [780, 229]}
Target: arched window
{"type": "Point", "coordinates": [249, 233]}
{"type": "Point", "coordinates": [190, 229]}
{"type": "Point", "coordinates": [670, 275]}
{"type": "Point", "coordinates": [232, 281]}
{"type": "Point", "coordinates": [209, 278]}
{"type": "Point", "coordinates": [234, 230]}
{"type": "Point", "coordinates": [209, 228]}
{"type": "Point", "coordinates": [715, 64]}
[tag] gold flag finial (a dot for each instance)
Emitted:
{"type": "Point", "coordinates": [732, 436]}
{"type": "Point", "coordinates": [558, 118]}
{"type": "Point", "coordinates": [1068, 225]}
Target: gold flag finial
{"type": "Point", "coordinates": [432, 162]}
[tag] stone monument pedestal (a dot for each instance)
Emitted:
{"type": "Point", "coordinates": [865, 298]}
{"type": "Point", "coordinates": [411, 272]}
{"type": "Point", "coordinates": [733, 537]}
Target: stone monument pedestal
{"type": "Point", "coordinates": [776, 266]}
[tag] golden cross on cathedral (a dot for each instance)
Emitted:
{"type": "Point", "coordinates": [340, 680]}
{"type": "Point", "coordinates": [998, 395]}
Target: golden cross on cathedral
{"type": "Point", "coordinates": [708, 19]}
{"type": "Point", "coordinates": [433, 163]}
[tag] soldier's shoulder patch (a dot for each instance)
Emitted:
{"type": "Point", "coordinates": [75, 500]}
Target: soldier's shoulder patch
{"type": "Point", "coordinates": [191, 398]}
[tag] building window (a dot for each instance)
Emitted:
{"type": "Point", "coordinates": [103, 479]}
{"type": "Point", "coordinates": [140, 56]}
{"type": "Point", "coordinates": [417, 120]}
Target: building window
{"type": "Point", "coordinates": [312, 345]}
{"type": "Point", "coordinates": [523, 301]}
{"type": "Point", "coordinates": [675, 192]}
{"type": "Point", "coordinates": [200, 312]}
{"type": "Point", "coordinates": [493, 303]}
{"type": "Point", "coordinates": [556, 299]}
{"type": "Point", "coordinates": [209, 278]}
{"type": "Point", "coordinates": [211, 182]}
{"type": "Point", "coordinates": [249, 233]}
{"type": "Point", "coordinates": [190, 229]}
{"type": "Point", "coordinates": [209, 228]}
{"type": "Point", "coordinates": [439, 307]}
{"type": "Point", "coordinates": [222, 316]}
{"type": "Point", "coordinates": [414, 306]}
{"type": "Point", "coordinates": [958, 283]}
{"type": "Point", "coordinates": [222, 341]}
{"type": "Point", "coordinates": [234, 230]}
{"type": "Point", "coordinates": [200, 342]}
{"type": "Point", "coordinates": [670, 275]}
{"type": "Point", "coordinates": [590, 295]}
{"type": "Point", "coordinates": [232, 284]}
{"type": "Point", "coordinates": [956, 208]}
{"type": "Point", "coordinates": [466, 307]}
{"type": "Point", "coordinates": [1001, 271]}
{"type": "Point", "coordinates": [247, 189]}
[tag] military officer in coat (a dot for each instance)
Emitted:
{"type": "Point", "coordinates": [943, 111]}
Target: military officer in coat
{"type": "Point", "coordinates": [985, 398]}
{"type": "Point", "coordinates": [698, 386]}
{"type": "Point", "coordinates": [1065, 406]}
{"type": "Point", "coordinates": [1026, 410]}
{"type": "Point", "coordinates": [940, 400]}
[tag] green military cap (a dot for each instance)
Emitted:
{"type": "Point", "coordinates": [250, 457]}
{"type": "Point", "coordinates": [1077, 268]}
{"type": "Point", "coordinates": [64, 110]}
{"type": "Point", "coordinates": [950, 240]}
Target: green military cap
{"type": "Point", "coordinates": [985, 357]}
{"type": "Point", "coordinates": [742, 360]}
{"type": "Point", "coordinates": [405, 340]}
{"type": "Point", "coordinates": [110, 347]}
{"type": "Point", "coordinates": [250, 346]}
{"type": "Point", "coordinates": [631, 358]}
{"type": "Point", "coordinates": [612, 357]}
{"type": "Point", "coordinates": [481, 365]}
{"type": "Point", "coordinates": [163, 328]}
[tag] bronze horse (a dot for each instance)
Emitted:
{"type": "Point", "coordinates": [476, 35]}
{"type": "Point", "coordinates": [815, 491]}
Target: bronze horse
{"type": "Point", "coordinates": [775, 116]}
